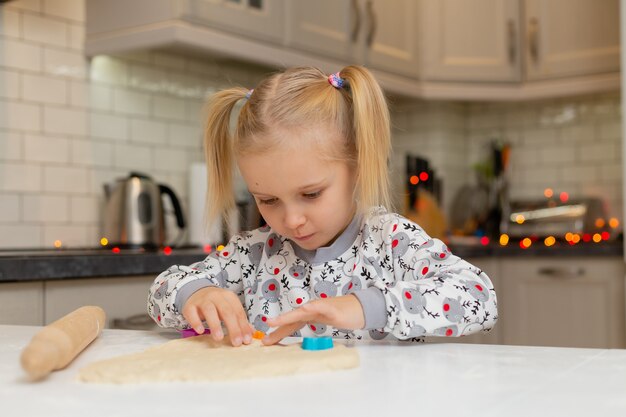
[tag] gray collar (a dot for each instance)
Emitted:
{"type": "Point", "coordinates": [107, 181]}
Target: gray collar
{"type": "Point", "coordinates": [338, 247]}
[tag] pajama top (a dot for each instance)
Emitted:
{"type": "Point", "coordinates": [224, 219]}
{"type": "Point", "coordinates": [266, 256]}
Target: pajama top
{"type": "Point", "coordinates": [409, 284]}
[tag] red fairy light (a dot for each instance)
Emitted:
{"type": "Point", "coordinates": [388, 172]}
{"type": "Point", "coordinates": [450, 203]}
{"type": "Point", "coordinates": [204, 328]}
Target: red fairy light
{"type": "Point", "coordinates": [167, 250]}
{"type": "Point", "coordinates": [115, 250]}
{"type": "Point", "coordinates": [484, 240]}
{"type": "Point", "coordinates": [423, 176]}
{"type": "Point", "coordinates": [208, 249]}
{"type": "Point", "coordinates": [605, 235]}
{"type": "Point", "coordinates": [564, 197]}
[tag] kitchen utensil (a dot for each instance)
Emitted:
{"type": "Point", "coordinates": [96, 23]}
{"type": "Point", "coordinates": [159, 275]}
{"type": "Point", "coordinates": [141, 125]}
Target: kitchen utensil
{"type": "Point", "coordinates": [57, 344]}
{"type": "Point", "coordinates": [134, 214]}
{"type": "Point", "coordinates": [469, 208]}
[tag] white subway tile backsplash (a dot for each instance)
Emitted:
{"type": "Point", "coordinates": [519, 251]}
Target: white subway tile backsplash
{"type": "Point", "coordinates": [169, 108]}
{"type": "Point", "coordinates": [20, 177]}
{"type": "Point", "coordinates": [66, 9]}
{"type": "Point", "coordinates": [611, 130]}
{"type": "Point", "coordinates": [20, 55]}
{"type": "Point", "coordinates": [148, 131]}
{"type": "Point", "coordinates": [10, 23]}
{"type": "Point", "coordinates": [44, 30]}
{"type": "Point", "coordinates": [61, 120]}
{"type": "Point", "coordinates": [598, 152]}
{"type": "Point", "coordinates": [71, 64]}
{"type": "Point", "coordinates": [108, 70]}
{"type": "Point", "coordinates": [557, 155]}
{"type": "Point", "coordinates": [76, 37]}
{"type": "Point", "coordinates": [91, 95]}
{"type": "Point", "coordinates": [133, 157]}
{"type": "Point", "coordinates": [109, 126]}
{"type": "Point", "coordinates": [131, 102]}
{"type": "Point", "coordinates": [11, 146]}
{"type": "Point", "coordinates": [20, 116]}
{"type": "Point", "coordinates": [10, 208]}
{"type": "Point", "coordinates": [44, 89]}
{"type": "Point", "coordinates": [70, 235]}
{"type": "Point", "coordinates": [21, 235]}
{"type": "Point", "coordinates": [45, 208]}
{"type": "Point", "coordinates": [185, 135]}
{"type": "Point", "coordinates": [172, 159]}
{"type": "Point", "coordinates": [46, 148]}
{"type": "Point", "coordinates": [9, 84]}
{"type": "Point", "coordinates": [69, 180]}
{"type": "Point", "coordinates": [85, 209]}
{"type": "Point", "coordinates": [92, 153]}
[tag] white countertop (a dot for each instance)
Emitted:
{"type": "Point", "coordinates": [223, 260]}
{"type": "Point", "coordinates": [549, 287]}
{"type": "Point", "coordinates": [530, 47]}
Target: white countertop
{"type": "Point", "coordinates": [438, 379]}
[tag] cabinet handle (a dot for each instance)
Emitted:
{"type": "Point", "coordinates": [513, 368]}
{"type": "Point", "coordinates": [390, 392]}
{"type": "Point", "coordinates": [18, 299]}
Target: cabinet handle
{"type": "Point", "coordinates": [372, 19]}
{"type": "Point", "coordinates": [533, 38]}
{"type": "Point", "coordinates": [356, 23]}
{"type": "Point", "coordinates": [561, 272]}
{"type": "Point", "coordinates": [512, 40]}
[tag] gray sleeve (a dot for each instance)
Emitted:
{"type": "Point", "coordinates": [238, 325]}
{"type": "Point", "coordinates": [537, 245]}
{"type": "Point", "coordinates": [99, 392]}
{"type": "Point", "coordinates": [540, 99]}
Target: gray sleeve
{"type": "Point", "coordinates": [374, 307]}
{"type": "Point", "coordinates": [188, 289]}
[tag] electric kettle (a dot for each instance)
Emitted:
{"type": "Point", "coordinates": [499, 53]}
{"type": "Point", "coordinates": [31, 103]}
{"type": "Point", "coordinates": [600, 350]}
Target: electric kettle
{"type": "Point", "coordinates": [134, 215]}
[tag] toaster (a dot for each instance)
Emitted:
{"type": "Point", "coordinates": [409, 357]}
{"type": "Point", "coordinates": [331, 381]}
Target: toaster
{"type": "Point", "coordinates": [542, 218]}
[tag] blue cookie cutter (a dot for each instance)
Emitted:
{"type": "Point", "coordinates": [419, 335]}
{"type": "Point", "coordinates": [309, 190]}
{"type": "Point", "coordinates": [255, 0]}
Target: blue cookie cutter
{"type": "Point", "coordinates": [317, 343]}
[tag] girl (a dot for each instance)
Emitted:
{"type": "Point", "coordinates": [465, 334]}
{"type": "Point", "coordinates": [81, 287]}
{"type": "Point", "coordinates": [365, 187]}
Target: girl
{"type": "Point", "coordinates": [331, 260]}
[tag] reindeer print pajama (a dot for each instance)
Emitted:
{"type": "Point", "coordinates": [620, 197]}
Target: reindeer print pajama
{"type": "Point", "coordinates": [409, 284]}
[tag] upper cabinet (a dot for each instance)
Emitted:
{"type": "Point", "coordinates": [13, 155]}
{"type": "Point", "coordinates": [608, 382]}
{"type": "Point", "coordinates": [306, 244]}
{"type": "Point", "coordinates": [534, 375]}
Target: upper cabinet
{"type": "Point", "coordinates": [474, 40]}
{"type": "Point", "coordinates": [439, 49]}
{"type": "Point", "coordinates": [260, 18]}
{"type": "Point", "coordinates": [511, 40]}
{"type": "Point", "coordinates": [571, 37]}
{"type": "Point", "coordinates": [379, 33]}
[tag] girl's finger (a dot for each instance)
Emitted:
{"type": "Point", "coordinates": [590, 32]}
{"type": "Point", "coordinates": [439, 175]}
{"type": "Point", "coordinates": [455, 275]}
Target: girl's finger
{"type": "Point", "coordinates": [301, 314]}
{"type": "Point", "coordinates": [232, 324]}
{"type": "Point", "coordinates": [282, 332]}
{"type": "Point", "coordinates": [213, 321]}
{"type": "Point", "coordinates": [194, 320]}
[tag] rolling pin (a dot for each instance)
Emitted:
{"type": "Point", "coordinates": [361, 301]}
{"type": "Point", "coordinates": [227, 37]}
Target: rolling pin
{"type": "Point", "coordinates": [58, 343]}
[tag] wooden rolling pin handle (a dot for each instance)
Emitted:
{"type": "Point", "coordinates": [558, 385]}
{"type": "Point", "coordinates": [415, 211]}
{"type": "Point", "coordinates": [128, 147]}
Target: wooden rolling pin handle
{"type": "Point", "coordinates": [57, 344]}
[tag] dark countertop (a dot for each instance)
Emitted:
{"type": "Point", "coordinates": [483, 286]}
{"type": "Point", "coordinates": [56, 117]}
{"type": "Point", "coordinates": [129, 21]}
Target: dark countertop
{"type": "Point", "coordinates": [37, 265]}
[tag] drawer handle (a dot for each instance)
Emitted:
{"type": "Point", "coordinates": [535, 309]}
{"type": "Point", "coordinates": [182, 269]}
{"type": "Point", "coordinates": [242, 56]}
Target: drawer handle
{"type": "Point", "coordinates": [512, 41]}
{"type": "Point", "coordinates": [372, 19]}
{"type": "Point", "coordinates": [561, 272]}
{"type": "Point", "coordinates": [356, 23]}
{"type": "Point", "coordinates": [533, 39]}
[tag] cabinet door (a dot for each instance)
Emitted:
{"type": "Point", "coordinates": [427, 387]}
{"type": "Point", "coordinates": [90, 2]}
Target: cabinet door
{"type": "Point", "coordinates": [571, 37]}
{"type": "Point", "coordinates": [120, 298]}
{"type": "Point", "coordinates": [391, 36]}
{"type": "Point", "coordinates": [327, 27]}
{"type": "Point", "coordinates": [563, 302]}
{"type": "Point", "coordinates": [470, 40]}
{"type": "Point", "coordinates": [21, 303]}
{"type": "Point", "coordinates": [262, 19]}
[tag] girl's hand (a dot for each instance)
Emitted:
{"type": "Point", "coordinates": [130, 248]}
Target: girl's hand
{"type": "Point", "coordinates": [214, 304]}
{"type": "Point", "coordinates": [344, 312]}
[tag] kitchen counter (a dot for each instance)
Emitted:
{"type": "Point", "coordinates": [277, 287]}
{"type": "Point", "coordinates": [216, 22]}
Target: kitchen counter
{"type": "Point", "coordinates": [48, 265]}
{"type": "Point", "coordinates": [442, 379]}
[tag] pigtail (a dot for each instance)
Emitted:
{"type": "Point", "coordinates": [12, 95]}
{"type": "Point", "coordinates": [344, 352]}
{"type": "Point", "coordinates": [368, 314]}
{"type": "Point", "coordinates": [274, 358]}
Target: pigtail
{"type": "Point", "coordinates": [372, 137]}
{"type": "Point", "coordinates": [218, 150]}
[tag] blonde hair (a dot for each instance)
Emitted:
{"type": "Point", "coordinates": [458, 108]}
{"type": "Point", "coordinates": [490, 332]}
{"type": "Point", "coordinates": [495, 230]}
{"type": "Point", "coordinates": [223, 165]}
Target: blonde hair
{"type": "Point", "coordinates": [300, 98]}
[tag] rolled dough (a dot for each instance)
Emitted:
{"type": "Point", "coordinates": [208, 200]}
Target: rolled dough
{"type": "Point", "coordinates": [200, 358]}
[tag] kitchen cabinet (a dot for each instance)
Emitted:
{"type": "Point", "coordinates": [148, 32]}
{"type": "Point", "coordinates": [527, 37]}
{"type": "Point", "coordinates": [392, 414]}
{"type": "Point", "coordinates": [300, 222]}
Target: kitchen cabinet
{"type": "Point", "coordinates": [120, 297]}
{"type": "Point", "coordinates": [22, 303]}
{"type": "Point", "coordinates": [471, 40]}
{"type": "Point", "coordinates": [378, 33]}
{"type": "Point", "coordinates": [485, 40]}
{"type": "Point", "coordinates": [571, 37]}
{"type": "Point", "coordinates": [562, 302]}
{"type": "Point", "coordinates": [262, 19]}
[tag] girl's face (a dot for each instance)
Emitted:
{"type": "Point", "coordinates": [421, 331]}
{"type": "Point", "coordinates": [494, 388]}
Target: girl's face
{"type": "Point", "coordinates": [300, 195]}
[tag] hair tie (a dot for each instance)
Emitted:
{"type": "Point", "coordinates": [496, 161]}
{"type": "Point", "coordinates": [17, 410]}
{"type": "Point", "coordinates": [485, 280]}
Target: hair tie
{"type": "Point", "coordinates": [249, 93]}
{"type": "Point", "coordinates": [335, 80]}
